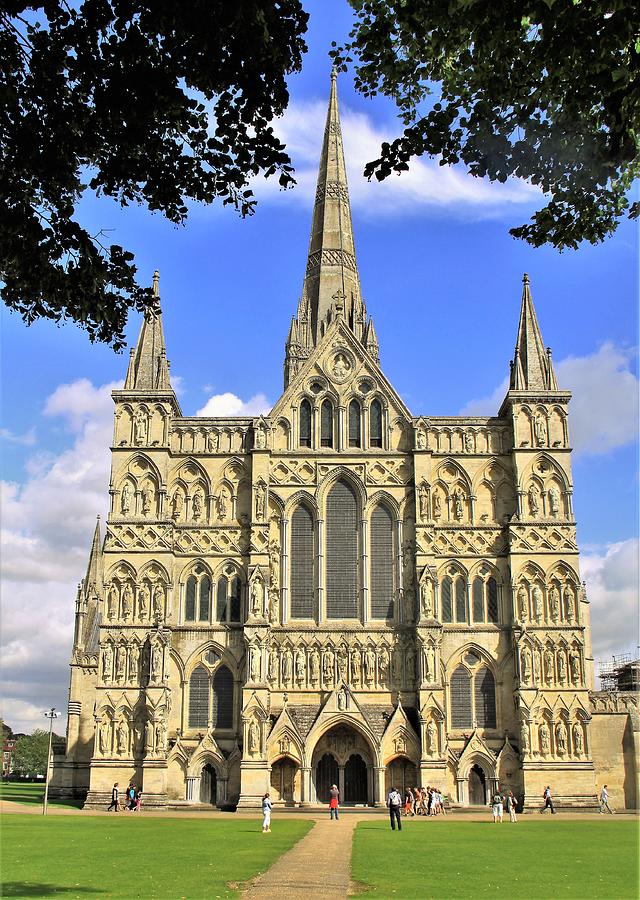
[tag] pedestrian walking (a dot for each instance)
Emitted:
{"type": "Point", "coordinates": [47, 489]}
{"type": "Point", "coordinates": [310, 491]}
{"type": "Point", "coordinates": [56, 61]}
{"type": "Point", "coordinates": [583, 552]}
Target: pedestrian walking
{"type": "Point", "coordinates": [394, 802]}
{"type": "Point", "coordinates": [409, 800]}
{"type": "Point", "coordinates": [548, 801]}
{"type": "Point", "coordinates": [511, 807]}
{"type": "Point", "coordinates": [334, 802]}
{"type": "Point", "coordinates": [114, 799]}
{"type": "Point", "coordinates": [138, 801]}
{"type": "Point", "coordinates": [131, 798]}
{"type": "Point", "coordinates": [266, 814]}
{"type": "Point", "coordinates": [604, 800]}
{"type": "Point", "coordinates": [497, 807]}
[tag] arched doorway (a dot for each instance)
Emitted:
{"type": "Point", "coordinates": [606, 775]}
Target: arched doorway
{"type": "Point", "coordinates": [326, 775]}
{"type": "Point", "coordinates": [208, 785]}
{"type": "Point", "coordinates": [283, 774]}
{"type": "Point", "coordinates": [477, 787]}
{"type": "Point", "coordinates": [401, 774]}
{"type": "Point", "coordinates": [355, 780]}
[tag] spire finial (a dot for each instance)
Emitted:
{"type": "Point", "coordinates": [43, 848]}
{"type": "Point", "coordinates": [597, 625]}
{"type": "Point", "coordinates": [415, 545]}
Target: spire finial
{"type": "Point", "coordinates": [156, 283]}
{"type": "Point", "coordinates": [525, 278]}
{"type": "Point", "coordinates": [334, 72]}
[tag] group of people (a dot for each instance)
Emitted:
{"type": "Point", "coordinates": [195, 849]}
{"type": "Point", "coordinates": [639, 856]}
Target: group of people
{"type": "Point", "coordinates": [133, 800]}
{"type": "Point", "coordinates": [499, 803]}
{"type": "Point", "coordinates": [424, 801]}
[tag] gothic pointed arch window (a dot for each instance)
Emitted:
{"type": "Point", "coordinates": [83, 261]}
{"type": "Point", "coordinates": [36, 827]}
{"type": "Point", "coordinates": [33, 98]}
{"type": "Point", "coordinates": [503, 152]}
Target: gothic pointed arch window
{"type": "Point", "coordinates": [190, 599]}
{"type": "Point", "coordinates": [229, 598]}
{"type": "Point", "coordinates": [355, 424]}
{"type": "Point", "coordinates": [326, 424]}
{"type": "Point", "coordinates": [222, 698]}
{"type": "Point", "coordinates": [478, 599]}
{"type": "Point", "coordinates": [235, 600]}
{"type": "Point", "coordinates": [204, 606]}
{"type": "Point", "coordinates": [446, 590]}
{"type": "Point", "coordinates": [375, 424]}
{"type": "Point", "coordinates": [305, 424]}
{"type": "Point", "coordinates": [485, 600]}
{"type": "Point", "coordinates": [485, 698]}
{"type": "Point", "coordinates": [221, 599]}
{"type": "Point", "coordinates": [461, 701]}
{"type": "Point", "coordinates": [197, 597]}
{"type": "Point", "coordinates": [382, 563]}
{"type": "Point", "coordinates": [461, 599]}
{"type": "Point", "coordinates": [341, 552]}
{"type": "Point", "coordinates": [302, 580]}
{"type": "Point", "coordinates": [199, 698]}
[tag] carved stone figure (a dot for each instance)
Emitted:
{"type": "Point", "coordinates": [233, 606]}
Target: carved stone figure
{"type": "Point", "coordinates": [147, 499]}
{"type": "Point", "coordinates": [355, 665]}
{"type": "Point", "coordinates": [144, 598]}
{"type": "Point", "coordinates": [272, 665]}
{"type": "Point", "coordinates": [156, 662]}
{"type": "Point", "coordinates": [125, 498]}
{"type": "Point", "coordinates": [341, 366]}
{"type": "Point", "coordinates": [112, 602]}
{"type": "Point", "coordinates": [134, 662]}
{"type": "Point", "coordinates": [562, 668]}
{"type": "Point", "coordinates": [569, 604]}
{"type": "Point", "coordinates": [540, 430]}
{"type": "Point", "coordinates": [257, 597]}
{"type": "Point", "coordinates": [468, 442]}
{"type": "Point", "coordinates": [533, 495]}
{"type": "Point", "coordinates": [432, 737]}
{"type": "Point", "coordinates": [127, 601]}
{"type": "Point", "coordinates": [261, 498]}
{"type": "Point", "coordinates": [523, 603]}
{"type": "Point", "coordinates": [383, 666]}
{"type": "Point", "coordinates": [254, 737]}
{"type": "Point", "coordinates": [122, 737]}
{"type": "Point", "coordinates": [369, 665]}
{"type": "Point", "coordinates": [223, 504]}
{"type": "Point", "coordinates": [544, 735]}
{"type": "Point", "coordinates": [524, 739]}
{"type": "Point", "coordinates": [197, 505]}
{"type": "Point", "coordinates": [148, 736]}
{"type": "Point", "coordinates": [437, 505]}
{"type": "Point", "coordinates": [177, 504]}
{"type": "Point", "coordinates": [161, 736]}
{"type": "Point", "coordinates": [538, 603]}
{"type": "Point", "coordinates": [213, 442]}
{"type": "Point", "coordinates": [554, 502]}
{"type": "Point", "coordinates": [342, 699]}
{"type": "Point", "coordinates": [577, 740]}
{"type": "Point", "coordinates": [430, 664]}
{"type": "Point", "coordinates": [328, 667]}
{"type": "Point", "coordinates": [574, 665]}
{"type": "Point", "coordinates": [397, 668]}
{"type": "Point", "coordinates": [254, 663]}
{"type": "Point", "coordinates": [140, 427]}
{"type": "Point", "coordinates": [274, 564]}
{"type": "Point", "coordinates": [548, 666]}
{"type": "Point", "coordinates": [421, 439]}
{"type": "Point", "coordinates": [103, 737]}
{"type": "Point", "coordinates": [261, 437]}
{"type": "Point", "coordinates": [426, 598]}
{"type": "Point", "coordinates": [554, 603]}
{"type": "Point", "coordinates": [411, 667]}
{"type": "Point", "coordinates": [314, 666]}
{"type": "Point", "coordinates": [525, 659]}
{"type": "Point", "coordinates": [343, 661]}
{"type": "Point", "coordinates": [458, 503]}
{"type": "Point", "coordinates": [158, 602]}
{"type": "Point", "coordinates": [561, 739]}
{"type": "Point", "coordinates": [301, 665]}
{"type": "Point", "coordinates": [121, 662]}
{"type": "Point", "coordinates": [273, 605]}
{"type": "Point", "coordinates": [107, 662]}
{"type": "Point", "coordinates": [423, 501]}
{"type": "Point", "coordinates": [287, 666]}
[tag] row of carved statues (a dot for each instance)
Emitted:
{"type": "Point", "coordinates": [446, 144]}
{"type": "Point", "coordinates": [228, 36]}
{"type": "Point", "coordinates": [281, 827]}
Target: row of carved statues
{"type": "Point", "coordinates": [128, 737]}
{"type": "Point", "coordinates": [559, 739]}
{"type": "Point", "coordinates": [302, 666]}
{"type": "Point", "coordinates": [129, 662]}
{"type": "Point", "coordinates": [539, 603]}
{"type": "Point", "coordinates": [549, 665]}
{"type": "Point", "coordinates": [142, 603]}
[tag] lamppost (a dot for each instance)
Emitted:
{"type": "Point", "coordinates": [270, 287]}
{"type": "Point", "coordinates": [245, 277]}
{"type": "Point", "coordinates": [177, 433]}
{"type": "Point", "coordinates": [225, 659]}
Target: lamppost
{"type": "Point", "coordinates": [51, 715]}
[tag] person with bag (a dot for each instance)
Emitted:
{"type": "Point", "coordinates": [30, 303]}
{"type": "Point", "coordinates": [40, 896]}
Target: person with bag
{"type": "Point", "coordinates": [394, 802]}
{"type": "Point", "coordinates": [548, 801]}
{"type": "Point", "coordinates": [266, 814]}
{"type": "Point", "coordinates": [497, 807]}
{"type": "Point", "coordinates": [334, 802]}
{"type": "Point", "coordinates": [114, 798]}
{"type": "Point", "coordinates": [511, 807]}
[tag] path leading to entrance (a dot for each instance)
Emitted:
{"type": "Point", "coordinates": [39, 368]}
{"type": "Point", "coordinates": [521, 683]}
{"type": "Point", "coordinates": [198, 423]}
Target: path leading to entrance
{"type": "Point", "coordinates": [318, 866]}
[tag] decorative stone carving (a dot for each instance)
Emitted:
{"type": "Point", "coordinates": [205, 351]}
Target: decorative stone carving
{"type": "Point", "coordinates": [148, 737]}
{"type": "Point", "coordinates": [341, 366]}
{"type": "Point", "coordinates": [544, 738]}
{"type": "Point", "coordinates": [426, 598]}
{"type": "Point", "coordinates": [197, 505]}
{"type": "Point", "coordinates": [540, 430]}
{"type": "Point", "coordinates": [121, 662]}
{"type": "Point", "coordinates": [158, 602]}
{"type": "Point", "coordinates": [107, 662]}
{"type": "Point", "coordinates": [554, 603]}
{"type": "Point", "coordinates": [104, 729]}
{"type": "Point", "coordinates": [554, 502]}
{"type": "Point", "coordinates": [223, 504]}
{"type": "Point", "coordinates": [125, 499]}
{"type": "Point", "coordinates": [538, 603]}
{"type": "Point", "coordinates": [369, 665]}
{"type": "Point", "coordinates": [144, 598]}
{"type": "Point", "coordinates": [272, 665]}
{"type": "Point", "coordinates": [261, 499]}
{"type": "Point", "coordinates": [148, 497]}
{"type": "Point", "coordinates": [134, 663]}
{"type": "Point", "coordinates": [155, 670]}
{"type": "Point", "coordinates": [355, 666]}
{"type": "Point", "coordinates": [524, 739]}
{"type": "Point", "coordinates": [430, 664]}
{"type": "Point", "coordinates": [468, 442]}
{"type": "Point", "coordinates": [561, 739]}
{"type": "Point", "coordinates": [525, 659]}
{"type": "Point", "coordinates": [421, 439]}
{"type": "Point", "coordinates": [562, 667]}
{"type": "Point", "coordinates": [140, 427]}
{"type": "Point", "coordinates": [112, 602]}
{"type": "Point", "coordinates": [122, 737]}
{"type": "Point", "coordinates": [254, 663]}
{"type": "Point", "coordinates": [533, 495]}
{"type": "Point", "coordinates": [548, 666]}
{"type": "Point", "coordinates": [343, 662]}
{"type": "Point", "coordinates": [287, 666]}
{"type": "Point", "coordinates": [569, 604]}
{"type": "Point", "coordinates": [423, 500]}
{"type": "Point", "coordinates": [523, 603]}
{"type": "Point", "coordinates": [127, 601]}
{"type": "Point", "coordinates": [177, 504]}
{"type": "Point", "coordinates": [314, 666]}
{"type": "Point", "coordinates": [300, 665]}
{"type": "Point", "coordinates": [328, 667]}
{"type": "Point", "coordinates": [458, 503]}
{"type": "Point", "coordinates": [577, 740]}
{"type": "Point", "coordinates": [161, 736]}
{"type": "Point", "coordinates": [432, 737]}
{"type": "Point", "coordinates": [342, 699]}
{"type": "Point", "coordinates": [254, 737]}
{"type": "Point", "coordinates": [213, 442]}
{"type": "Point", "coordinates": [257, 597]}
{"type": "Point", "coordinates": [437, 505]}
{"type": "Point", "coordinates": [574, 665]}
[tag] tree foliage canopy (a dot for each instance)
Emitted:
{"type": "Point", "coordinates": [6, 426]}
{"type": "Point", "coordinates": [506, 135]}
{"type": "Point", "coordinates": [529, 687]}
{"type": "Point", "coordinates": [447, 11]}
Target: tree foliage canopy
{"type": "Point", "coordinates": [157, 103]}
{"type": "Point", "coordinates": [546, 90]}
{"type": "Point", "coordinates": [30, 753]}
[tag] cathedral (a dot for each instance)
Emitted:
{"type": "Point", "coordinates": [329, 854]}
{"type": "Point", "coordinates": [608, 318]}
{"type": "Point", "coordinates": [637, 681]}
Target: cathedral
{"type": "Point", "coordinates": [340, 591]}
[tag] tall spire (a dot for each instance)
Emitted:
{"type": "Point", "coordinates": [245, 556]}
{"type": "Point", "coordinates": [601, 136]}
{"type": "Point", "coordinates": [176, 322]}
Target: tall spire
{"type": "Point", "coordinates": [148, 367]}
{"type": "Point", "coordinates": [532, 369]}
{"type": "Point", "coordinates": [331, 283]}
{"type": "Point", "coordinates": [92, 578]}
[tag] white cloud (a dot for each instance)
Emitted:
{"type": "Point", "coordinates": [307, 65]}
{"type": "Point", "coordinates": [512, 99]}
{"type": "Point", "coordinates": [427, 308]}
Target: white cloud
{"type": "Point", "coordinates": [426, 184]}
{"type": "Point", "coordinates": [612, 588]}
{"type": "Point", "coordinates": [228, 404]}
{"type": "Point", "coordinates": [603, 380]}
{"type": "Point", "coordinates": [27, 439]}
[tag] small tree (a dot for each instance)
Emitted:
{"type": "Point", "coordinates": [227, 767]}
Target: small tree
{"type": "Point", "coordinates": [30, 753]}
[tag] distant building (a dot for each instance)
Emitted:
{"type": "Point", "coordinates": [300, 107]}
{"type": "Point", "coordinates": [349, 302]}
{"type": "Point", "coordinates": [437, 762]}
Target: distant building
{"type": "Point", "coordinates": [340, 591]}
{"type": "Point", "coordinates": [620, 673]}
{"type": "Point", "coordinates": [8, 745]}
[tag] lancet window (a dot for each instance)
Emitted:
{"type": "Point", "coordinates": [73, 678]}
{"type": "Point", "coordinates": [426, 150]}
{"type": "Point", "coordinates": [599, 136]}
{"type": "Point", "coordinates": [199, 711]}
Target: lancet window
{"type": "Point", "coordinates": [197, 602]}
{"type": "Point", "coordinates": [375, 424]}
{"type": "Point", "coordinates": [472, 697]}
{"type": "Point", "coordinates": [453, 599]}
{"type": "Point", "coordinates": [228, 599]}
{"type": "Point", "coordinates": [341, 552]}
{"type": "Point", "coordinates": [355, 424]}
{"type": "Point", "coordinates": [302, 564]}
{"type": "Point", "coordinates": [381, 586]}
{"type": "Point", "coordinates": [211, 698]}
{"type": "Point", "coordinates": [485, 600]}
{"type": "Point", "coordinates": [326, 424]}
{"type": "Point", "coordinates": [305, 424]}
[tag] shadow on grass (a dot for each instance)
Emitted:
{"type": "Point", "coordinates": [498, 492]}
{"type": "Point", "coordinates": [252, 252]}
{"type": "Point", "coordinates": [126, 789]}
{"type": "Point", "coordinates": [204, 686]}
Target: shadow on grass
{"type": "Point", "coordinates": [31, 889]}
{"type": "Point", "coordinates": [32, 795]}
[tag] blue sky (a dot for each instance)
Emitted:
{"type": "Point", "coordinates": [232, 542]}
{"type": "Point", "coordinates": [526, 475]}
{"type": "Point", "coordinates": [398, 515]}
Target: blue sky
{"type": "Point", "coordinates": [442, 278]}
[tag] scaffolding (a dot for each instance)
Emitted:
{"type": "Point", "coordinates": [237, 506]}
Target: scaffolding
{"type": "Point", "coordinates": [620, 673]}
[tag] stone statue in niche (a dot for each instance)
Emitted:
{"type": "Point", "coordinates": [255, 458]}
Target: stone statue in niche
{"type": "Point", "coordinates": [421, 439]}
{"type": "Point", "coordinates": [257, 597]}
{"type": "Point", "coordinates": [314, 666]}
{"type": "Point", "coordinates": [397, 667]}
{"type": "Point", "coordinates": [437, 505]}
{"type": "Point", "coordinates": [140, 427]}
{"type": "Point", "coordinates": [287, 666]}
{"type": "Point", "coordinates": [127, 601]}
{"type": "Point", "coordinates": [533, 495]}
{"type": "Point", "coordinates": [426, 598]}
{"type": "Point", "coordinates": [411, 667]}
{"type": "Point", "coordinates": [523, 603]}
{"type": "Point", "coordinates": [545, 744]}
{"type": "Point", "coordinates": [577, 740]}
{"type": "Point", "coordinates": [198, 505]}
{"type": "Point", "coordinates": [274, 564]}
{"type": "Point", "coordinates": [569, 604]}
{"type": "Point", "coordinates": [554, 603]}
{"type": "Point", "coordinates": [112, 602]}
{"type": "Point", "coordinates": [342, 664]}
{"type": "Point", "coordinates": [156, 662]}
{"type": "Point", "coordinates": [432, 737]}
{"type": "Point", "coordinates": [147, 499]}
{"type": "Point", "coordinates": [161, 736]}
{"type": "Point", "coordinates": [272, 665]}
{"type": "Point", "coordinates": [177, 504]}
{"type": "Point", "coordinates": [355, 665]}
{"type": "Point", "coordinates": [341, 366]}
{"type": "Point", "coordinates": [223, 504]}
{"type": "Point", "coordinates": [213, 442]}
{"type": "Point", "coordinates": [125, 498]}
{"type": "Point", "coordinates": [144, 598]}
{"type": "Point", "coordinates": [383, 666]}
{"type": "Point", "coordinates": [562, 668]}
{"type": "Point", "coordinates": [261, 497]}
{"type": "Point", "coordinates": [548, 666]}
{"type": "Point", "coordinates": [369, 665]}
{"type": "Point", "coordinates": [342, 699]}
{"type": "Point", "coordinates": [254, 737]}
{"type": "Point", "coordinates": [423, 500]}
{"type": "Point", "coordinates": [561, 739]}
{"type": "Point", "coordinates": [525, 658]}
{"type": "Point", "coordinates": [158, 602]}
{"type": "Point", "coordinates": [107, 662]}
{"type": "Point", "coordinates": [524, 738]}
{"type": "Point", "coordinates": [554, 502]}
{"type": "Point", "coordinates": [273, 606]}
{"type": "Point", "coordinates": [103, 737]}
{"type": "Point", "coordinates": [574, 665]}
{"type": "Point", "coordinates": [458, 503]}
{"type": "Point", "coordinates": [121, 662]}
{"type": "Point", "coordinates": [254, 663]}
{"type": "Point", "coordinates": [430, 664]}
{"type": "Point", "coordinates": [301, 665]}
{"type": "Point", "coordinates": [540, 430]}
{"type": "Point", "coordinates": [134, 662]}
{"type": "Point", "coordinates": [261, 437]}
{"type": "Point", "coordinates": [538, 603]}
{"type": "Point", "coordinates": [468, 442]}
{"type": "Point", "coordinates": [328, 667]}
{"type": "Point", "coordinates": [148, 736]}
{"type": "Point", "coordinates": [122, 737]}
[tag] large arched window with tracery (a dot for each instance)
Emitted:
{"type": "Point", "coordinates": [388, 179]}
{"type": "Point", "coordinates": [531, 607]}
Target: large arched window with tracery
{"type": "Point", "coordinates": [302, 580]}
{"type": "Point", "coordinates": [484, 689]}
{"type": "Point", "coordinates": [341, 552]}
{"type": "Point", "coordinates": [222, 698]}
{"type": "Point", "coordinates": [199, 698]}
{"type": "Point", "coordinates": [461, 699]}
{"type": "Point", "coordinates": [381, 557]}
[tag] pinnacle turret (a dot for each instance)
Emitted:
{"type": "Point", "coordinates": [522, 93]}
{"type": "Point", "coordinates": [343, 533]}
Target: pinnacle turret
{"type": "Point", "coordinates": [531, 369]}
{"type": "Point", "coordinates": [148, 366]}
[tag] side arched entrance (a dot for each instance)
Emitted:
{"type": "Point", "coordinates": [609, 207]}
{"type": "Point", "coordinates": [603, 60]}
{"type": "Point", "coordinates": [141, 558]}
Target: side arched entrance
{"type": "Point", "coordinates": [208, 785]}
{"type": "Point", "coordinates": [400, 773]}
{"type": "Point", "coordinates": [284, 781]}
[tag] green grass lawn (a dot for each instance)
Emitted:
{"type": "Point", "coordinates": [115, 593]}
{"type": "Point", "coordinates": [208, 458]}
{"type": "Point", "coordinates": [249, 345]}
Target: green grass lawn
{"type": "Point", "coordinates": [535, 858]}
{"type": "Point", "coordinates": [31, 792]}
{"type": "Point", "coordinates": [126, 855]}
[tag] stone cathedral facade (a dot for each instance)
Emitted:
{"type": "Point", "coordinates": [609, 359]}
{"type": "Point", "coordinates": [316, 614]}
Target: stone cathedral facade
{"type": "Point", "coordinates": [339, 591]}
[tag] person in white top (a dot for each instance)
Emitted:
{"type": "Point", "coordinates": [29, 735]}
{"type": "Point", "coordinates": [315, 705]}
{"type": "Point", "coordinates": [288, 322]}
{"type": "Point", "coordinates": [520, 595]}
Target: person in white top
{"type": "Point", "coordinates": [266, 814]}
{"type": "Point", "coordinates": [604, 800]}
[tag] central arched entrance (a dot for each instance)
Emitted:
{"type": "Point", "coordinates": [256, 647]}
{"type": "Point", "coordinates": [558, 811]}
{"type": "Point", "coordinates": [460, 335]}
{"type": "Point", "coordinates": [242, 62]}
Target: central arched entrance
{"type": "Point", "coordinates": [344, 757]}
{"type": "Point", "coordinates": [355, 780]}
{"type": "Point", "coordinates": [327, 773]}
{"type": "Point", "coordinates": [208, 785]}
{"type": "Point", "coordinates": [477, 786]}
